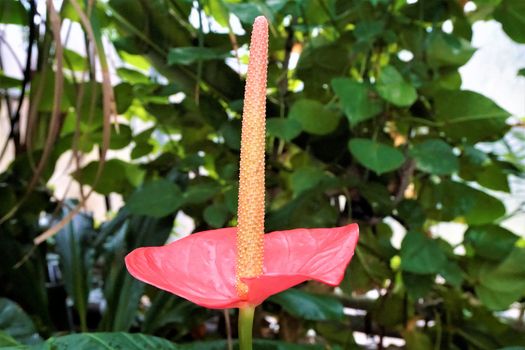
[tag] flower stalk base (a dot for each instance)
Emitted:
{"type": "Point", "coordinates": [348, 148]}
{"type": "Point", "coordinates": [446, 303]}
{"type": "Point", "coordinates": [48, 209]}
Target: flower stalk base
{"type": "Point", "coordinates": [246, 327]}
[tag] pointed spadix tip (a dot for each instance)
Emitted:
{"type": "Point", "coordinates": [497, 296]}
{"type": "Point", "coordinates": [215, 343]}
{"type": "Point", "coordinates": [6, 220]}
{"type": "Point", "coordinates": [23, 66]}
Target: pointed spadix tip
{"type": "Point", "coordinates": [260, 21]}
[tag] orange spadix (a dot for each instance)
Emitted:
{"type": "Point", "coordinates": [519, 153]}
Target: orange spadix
{"type": "Point", "coordinates": [250, 233]}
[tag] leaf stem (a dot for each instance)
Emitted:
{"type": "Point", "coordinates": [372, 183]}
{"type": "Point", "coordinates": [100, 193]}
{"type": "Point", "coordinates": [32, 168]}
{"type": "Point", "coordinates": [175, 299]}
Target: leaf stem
{"type": "Point", "coordinates": [246, 327]}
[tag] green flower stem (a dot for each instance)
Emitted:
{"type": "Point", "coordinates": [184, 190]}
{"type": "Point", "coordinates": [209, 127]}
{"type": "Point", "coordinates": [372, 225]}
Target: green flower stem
{"type": "Point", "coordinates": [246, 327]}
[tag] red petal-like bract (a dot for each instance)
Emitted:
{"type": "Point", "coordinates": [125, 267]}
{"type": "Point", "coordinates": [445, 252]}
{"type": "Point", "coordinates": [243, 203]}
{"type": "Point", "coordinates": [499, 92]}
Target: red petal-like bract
{"type": "Point", "coordinates": [201, 267]}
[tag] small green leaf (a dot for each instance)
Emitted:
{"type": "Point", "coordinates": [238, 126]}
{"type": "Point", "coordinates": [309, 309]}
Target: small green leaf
{"type": "Point", "coordinates": [7, 342]}
{"type": "Point", "coordinates": [368, 31]}
{"type": "Point", "coordinates": [493, 177]}
{"type": "Point", "coordinates": [305, 178]}
{"type": "Point", "coordinates": [379, 157]}
{"type": "Point", "coordinates": [452, 273]}
{"type": "Point", "coordinates": [283, 128]}
{"type": "Point", "coordinates": [448, 50]}
{"type": "Point", "coordinates": [309, 306]}
{"type": "Point", "coordinates": [117, 176]}
{"type": "Point", "coordinates": [16, 324]}
{"type": "Point", "coordinates": [74, 61]}
{"type": "Point", "coordinates": [511, 15]}
{"type": "Point", "coordinates": [388, 310]}
{"type": "Point", "coordinates": [314, 117]}
{"type": "Point", "coordinates": [132, 76]}
{"type": "Point", "coordinates": [421, 255]}
{"type": "Point", "coordinates": [201, 191]}
{"type": "Point", "coordinates": [123, 97]}
{"type": "Point", "coordinates": [418, 285]}
{"type": "Point", "coordinates": [355, 100]}
{"type": "Point", "coordinates": [417, 341]}
{"type": "Point", "coordinates": [393, 88]}
{"type": "Point", "coordinates": [216, 215]}
{"type": "Point", "coordinates": [189, 55]}
{"type": "Point", "coordinates": [9, 82]}
{"type": "Point", "coordinates": [435, 157]}
{"type": "Point", "coordinates": [157, 198]}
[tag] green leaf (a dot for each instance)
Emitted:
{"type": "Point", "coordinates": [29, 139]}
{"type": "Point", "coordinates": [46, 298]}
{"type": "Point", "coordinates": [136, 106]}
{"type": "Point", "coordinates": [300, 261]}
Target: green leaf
{"type": "Point", "coordinates": [388, 310]}
{"type": "Point", "coordinates": [417, 341]}
{"type": "Point", "coordinates": [418, 285]}
{"type": "Point", "coordinates": [522, 72]}
{"type": "Point", "coordinates": [355, 99]}
{"type": "Point", "coordinates": [216, 215]}
{"type": "Point", "coordinates": [248, 11]}
{"type": "Point", "coordinates": [309, 306]}
{"type": "Point", "coordinates": [157, 198]}
{"type": "Point", "coordinates": [450, 200]}
{"type": "Point", "coordinates": [201, 191]}
{"type": "Point", "coordinates": [123, 97]}
{"type": "Point", "coordinates": [76, 260]}
{"type": "Point", "coordinates": [258, 344]}
{"type": "Point", "coordinates": [119, 139]}
{"type": "Point", "coordinates": [108, 341]}
{"type": "Point", "coordinates": [435, 156]}
{"type": "Point", "coordinates": [13, 12]}
{"type": "Point", "coordinates": [314, 117]}
{"type": "Point", "coordinates": [117, 176]}
{"type": "Point", "coordinates": [132, 76]}
{"type": "Point", "coordinates": [495, 300]}
{"type": "Point", "coordinates": [511, 15]}
{"type": "Point", "coordinates": [16, 324]}
{"type": "Point", "coordinates": [74, 61]}
{"type": "Point", "coordinates": [494, 178]}
{"type": "Point", "coordinates": [491, 242]}
{"type": "Point", "coordinates": [231, 131]}
{"type": "Point", "coordinates": [421, 254]}
{"type": "Point", "coordinates": [379, 157]}
{"type": "Point", "coordinates": [283, 128]}
{"type": "Point", "coordinates": [189, 55]}
{"type": "Point", "coordinates": [7, 342]}
{"type": "Point", "coordinates": [393, 88]}
{"type": "Point", "coordinates": [469, 116]}
{"type": "Point", "coordinates": [305, 178]}
{"type": "Point", "coordinates": [452, 273]}
{"type": "Point", "coordinates": [448, 50]}
{"type": "Point", "coordinates": [368, 31]}
{"type": "Point", "coordinates": [504, 284]}
{"type": "Point", "coordinates": [9, 82]}
{"type": "Point", "coordinates": [412, 213]}
{"type": "Point", "coordinates": [219, 11]}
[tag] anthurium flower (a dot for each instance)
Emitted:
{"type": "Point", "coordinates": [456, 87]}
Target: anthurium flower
{"type": "Point", "coordinates": [241, 266]}
{"type": "Point", "coordinates": [201, 267]}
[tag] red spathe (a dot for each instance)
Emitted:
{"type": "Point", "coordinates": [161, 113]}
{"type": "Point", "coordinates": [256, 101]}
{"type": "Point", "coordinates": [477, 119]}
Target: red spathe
{"type": "Point", "coordinates": [201, 267]}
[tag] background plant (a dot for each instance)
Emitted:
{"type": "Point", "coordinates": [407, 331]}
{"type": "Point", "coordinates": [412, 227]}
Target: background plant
{"type": "Point", "coordinates": [355, 134]}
